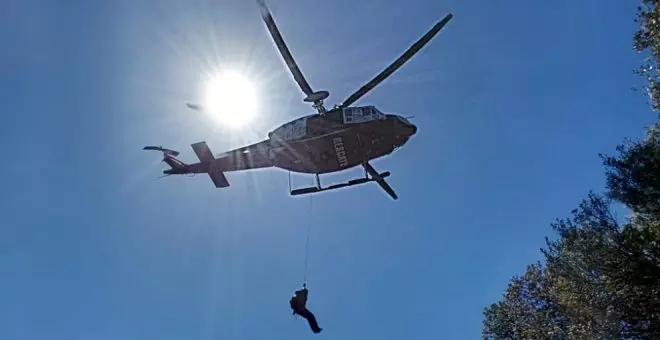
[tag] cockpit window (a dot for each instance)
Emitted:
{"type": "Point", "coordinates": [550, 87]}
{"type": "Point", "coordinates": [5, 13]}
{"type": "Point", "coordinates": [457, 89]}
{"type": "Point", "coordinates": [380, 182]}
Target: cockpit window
{"type": "Point", "coordinates": [362, 114]}
{"type": "Point", "coordinates": [377, 113]}
{"type": "Point", "coordinates": [373, 113]}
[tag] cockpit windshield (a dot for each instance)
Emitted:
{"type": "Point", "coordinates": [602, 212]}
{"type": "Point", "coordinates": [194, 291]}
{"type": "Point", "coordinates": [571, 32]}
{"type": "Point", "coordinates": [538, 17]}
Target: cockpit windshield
{"type": "Point", "coordinates": [353, 115]}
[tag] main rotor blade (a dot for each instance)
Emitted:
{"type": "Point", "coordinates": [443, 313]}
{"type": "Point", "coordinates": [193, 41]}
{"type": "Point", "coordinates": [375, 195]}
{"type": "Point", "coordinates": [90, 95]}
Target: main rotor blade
{"type": "Point", "coordinates": [399, 62]}
{"type": "Point", "coordinates": [284, 50]}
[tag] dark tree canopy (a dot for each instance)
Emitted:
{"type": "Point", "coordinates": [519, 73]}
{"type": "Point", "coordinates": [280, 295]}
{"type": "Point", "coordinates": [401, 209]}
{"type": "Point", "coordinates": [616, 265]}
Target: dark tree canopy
{"type": "Point", "coordinates": [633, 176]}
{"type": "Point", "coordinates": [647, 41]}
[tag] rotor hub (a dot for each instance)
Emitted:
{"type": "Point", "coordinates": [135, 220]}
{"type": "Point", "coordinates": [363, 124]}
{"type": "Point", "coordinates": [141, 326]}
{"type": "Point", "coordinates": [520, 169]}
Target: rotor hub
{"type": "Point", "coordinates": [317, 99]}
{"type": "Point", "coordinates": [317, 96]}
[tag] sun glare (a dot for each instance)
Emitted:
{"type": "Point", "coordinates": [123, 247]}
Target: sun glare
{"type": "Point", "coordinates": [231, 98]}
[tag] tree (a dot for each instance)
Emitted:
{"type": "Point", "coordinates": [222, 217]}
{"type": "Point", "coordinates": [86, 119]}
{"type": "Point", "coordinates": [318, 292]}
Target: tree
{"type": "Point", "coordinates": [588, 243]}
{"type": "Point", "coordinates": [647, 40]}
{"type": "Point", "coordinates": [635, 278]}
{"type": "Point", "coordinates": [529, 310]}
{"type": "Point", "coordinates": [633, 176]}
{"type": "Point", "coordinates": [568, 298]}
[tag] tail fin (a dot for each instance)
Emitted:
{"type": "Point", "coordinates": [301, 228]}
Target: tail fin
{"type": "Point", "coordinates": [205, 156]}
{"type": "Point", "coordinates": [169, 156]}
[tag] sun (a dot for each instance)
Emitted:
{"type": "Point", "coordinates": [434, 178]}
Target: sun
{"type": "Point", "coordinates": [231, 98]}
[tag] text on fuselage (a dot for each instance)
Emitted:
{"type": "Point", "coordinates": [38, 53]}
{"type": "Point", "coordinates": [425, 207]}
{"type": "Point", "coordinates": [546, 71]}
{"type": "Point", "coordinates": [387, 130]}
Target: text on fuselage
{"type": "Point", "coordinates": [340, 152]}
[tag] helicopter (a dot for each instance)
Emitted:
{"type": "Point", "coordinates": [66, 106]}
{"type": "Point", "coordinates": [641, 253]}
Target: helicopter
{"type": "Point", "coordinates": [323, 142]}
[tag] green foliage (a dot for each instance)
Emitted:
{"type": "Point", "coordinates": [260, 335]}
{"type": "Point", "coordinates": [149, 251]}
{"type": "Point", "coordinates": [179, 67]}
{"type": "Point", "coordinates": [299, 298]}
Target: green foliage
{"type": "Point", "coordinates": [635, 277]}
{"type": "Point", "coordinates": [588, 241]}
{"type": "Point", "coordinates": [647, 40]}
{"type": "Point", "coordinates": [633, 177]}
{"type": "Point", "coordinates": [529, 311]}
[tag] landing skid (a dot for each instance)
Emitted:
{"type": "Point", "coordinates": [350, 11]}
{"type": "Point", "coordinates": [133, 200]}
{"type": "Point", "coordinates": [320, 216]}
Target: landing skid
{"type": "Point", "coordinates": [319, 188]}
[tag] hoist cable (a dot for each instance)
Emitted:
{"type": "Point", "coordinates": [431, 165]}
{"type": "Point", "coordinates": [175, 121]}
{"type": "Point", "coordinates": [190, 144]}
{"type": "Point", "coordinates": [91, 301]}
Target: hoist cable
{"type": "Point", "coordinates": [309, 227]}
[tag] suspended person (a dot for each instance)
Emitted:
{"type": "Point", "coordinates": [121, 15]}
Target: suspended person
{"type": "Point", "coordinates": [299, 305]}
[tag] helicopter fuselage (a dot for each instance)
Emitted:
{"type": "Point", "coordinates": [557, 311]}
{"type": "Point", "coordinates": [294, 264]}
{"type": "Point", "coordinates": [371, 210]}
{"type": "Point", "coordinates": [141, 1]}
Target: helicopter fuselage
{"type": "Point", "coordinates": [315, 144]}
{"type": "Point", "coordinates": [337, 140]}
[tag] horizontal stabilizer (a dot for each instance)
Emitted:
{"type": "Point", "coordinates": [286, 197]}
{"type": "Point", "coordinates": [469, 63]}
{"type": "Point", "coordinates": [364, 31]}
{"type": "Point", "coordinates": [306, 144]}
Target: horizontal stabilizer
{"type": "Point", "coordinates": [203, 152]}
{"type": "Point", "coordinates": [205, 155]}
{"type": "Point", "coordinates": [219, 179]}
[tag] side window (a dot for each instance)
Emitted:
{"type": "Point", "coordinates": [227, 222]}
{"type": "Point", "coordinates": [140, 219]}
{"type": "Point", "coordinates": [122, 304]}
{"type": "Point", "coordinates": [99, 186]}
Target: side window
{"type": "Point", "coordinates": [348, 115]}
{"type": "Point", "coordinates": [353, 114]}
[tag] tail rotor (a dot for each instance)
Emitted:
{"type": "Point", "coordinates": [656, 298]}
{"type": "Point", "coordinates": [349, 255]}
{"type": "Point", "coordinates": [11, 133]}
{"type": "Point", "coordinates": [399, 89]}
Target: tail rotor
{"type": "Point", "coordinates": [169, 157]}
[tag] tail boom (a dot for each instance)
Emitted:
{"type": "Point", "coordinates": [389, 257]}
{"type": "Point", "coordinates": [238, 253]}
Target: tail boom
{"type": "Point", "coordinates": [249, 157]}
{"type": "Point", "coordinates": [174, 163]}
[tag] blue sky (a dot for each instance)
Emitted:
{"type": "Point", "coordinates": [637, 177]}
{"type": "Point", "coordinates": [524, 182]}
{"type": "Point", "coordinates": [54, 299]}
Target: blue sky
{"type": "Point", "coordinates": [513, 100]}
